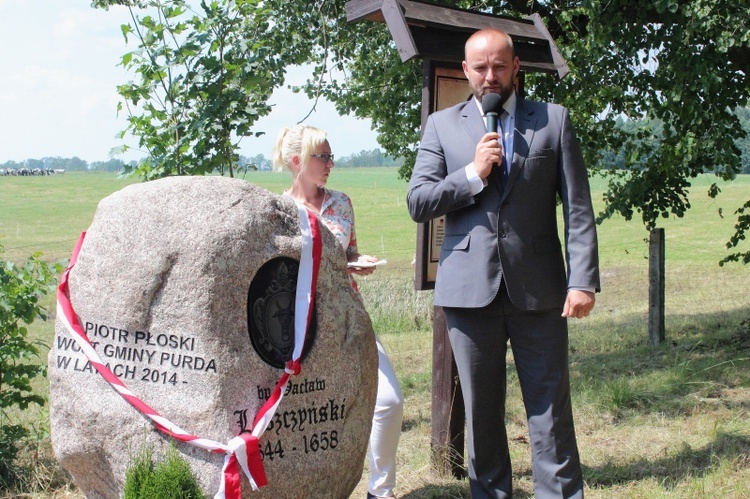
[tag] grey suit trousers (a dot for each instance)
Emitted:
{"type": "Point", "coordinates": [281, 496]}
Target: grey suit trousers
{"type": "Point", "coordinates": [539, 341]}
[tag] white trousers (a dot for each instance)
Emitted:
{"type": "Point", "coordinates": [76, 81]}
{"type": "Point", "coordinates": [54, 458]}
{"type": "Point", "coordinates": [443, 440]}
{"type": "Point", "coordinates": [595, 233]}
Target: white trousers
{"type": "Point", "coordinates": [386, 428]}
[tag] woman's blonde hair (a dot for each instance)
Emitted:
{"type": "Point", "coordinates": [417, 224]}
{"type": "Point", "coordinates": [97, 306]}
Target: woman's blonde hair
{"type": "Point", "coordinates": [299, 140]}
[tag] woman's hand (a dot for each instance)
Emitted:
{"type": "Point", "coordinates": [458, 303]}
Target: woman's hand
{"type": "Point", "coordinates": [363, 271]}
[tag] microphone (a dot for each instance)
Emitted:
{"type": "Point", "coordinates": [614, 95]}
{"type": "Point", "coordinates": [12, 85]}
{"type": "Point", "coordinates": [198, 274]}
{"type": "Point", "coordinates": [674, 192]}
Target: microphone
{"type": "Point", "coordinates": [492, 106]}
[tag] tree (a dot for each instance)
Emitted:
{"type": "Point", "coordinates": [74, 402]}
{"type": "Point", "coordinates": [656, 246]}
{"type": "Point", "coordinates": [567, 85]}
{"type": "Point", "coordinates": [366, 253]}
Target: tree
{"type": "Point", "coordinates": [75, 164]}
{"type": "Point", "coordinates": [34, 163]}
{"type": "Point", "coordinates": [202, 80]}
{"type": "Point", "coordinates": [680, 63]}
{"type": "Point", "coordinates": [743, 144]}
{"type": "Point", "coordinates": [12, 164]}
{"type": "Point", "coordinates": [112, 165]}
{"type": "Point", "coordinates": [375, 157]}
{"type": "Point", "coordinates": [259, 162]}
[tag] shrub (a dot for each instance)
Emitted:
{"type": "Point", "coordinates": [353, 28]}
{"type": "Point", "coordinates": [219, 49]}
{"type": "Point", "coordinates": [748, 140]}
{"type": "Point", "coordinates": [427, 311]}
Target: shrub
{"type": "Point", "coordinates": [169, 478]}
{"type": "Point", "coordinates": [21, 287]}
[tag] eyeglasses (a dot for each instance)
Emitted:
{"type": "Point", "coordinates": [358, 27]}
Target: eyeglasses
{"type": "Point", "coordinates": [325, 158]}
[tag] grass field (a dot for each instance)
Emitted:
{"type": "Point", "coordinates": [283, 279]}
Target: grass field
{"type": "Point", "coordinates": [665, 422]}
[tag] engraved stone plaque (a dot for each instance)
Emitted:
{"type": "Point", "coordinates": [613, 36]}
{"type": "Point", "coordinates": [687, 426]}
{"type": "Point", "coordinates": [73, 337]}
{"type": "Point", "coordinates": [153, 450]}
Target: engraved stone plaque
{"type": "Point", "coordinates": [184, 286]}
{"type": "Point", "coordinates": [270, 312]}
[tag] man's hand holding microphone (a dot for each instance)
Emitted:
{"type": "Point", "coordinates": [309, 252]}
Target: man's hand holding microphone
{"type": "Point", "coordinates": [489, 150]}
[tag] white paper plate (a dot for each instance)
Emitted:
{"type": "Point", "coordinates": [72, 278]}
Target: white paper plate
{"type": "Point", "coordinates": [366, 265]}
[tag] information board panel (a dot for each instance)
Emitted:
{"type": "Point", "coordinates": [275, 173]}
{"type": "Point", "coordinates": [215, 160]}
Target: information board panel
{"type": "Point", "coordinates": [449, 87]}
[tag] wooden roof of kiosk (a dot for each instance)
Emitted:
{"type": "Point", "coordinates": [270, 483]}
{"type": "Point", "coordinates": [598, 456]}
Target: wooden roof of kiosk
{"type": "Point", "coordinates": [437, 32]}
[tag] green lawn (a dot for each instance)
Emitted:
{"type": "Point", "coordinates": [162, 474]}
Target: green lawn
{"type": "Point", "coordinates": [47, 214]}
{"type": "Point", "coordinates": [665, 422]}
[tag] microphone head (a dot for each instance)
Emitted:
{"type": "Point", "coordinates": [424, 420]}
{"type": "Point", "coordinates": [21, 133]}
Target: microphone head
{"type": "Point", "coordinates": [492, 103]}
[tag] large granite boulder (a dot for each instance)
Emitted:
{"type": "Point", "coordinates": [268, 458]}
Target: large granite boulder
{"type": "Point", "coordinates": [185, 287]}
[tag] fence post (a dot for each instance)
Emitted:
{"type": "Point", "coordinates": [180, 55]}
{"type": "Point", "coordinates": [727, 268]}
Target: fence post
{"type": "Point", "coordinates": [656, 287]}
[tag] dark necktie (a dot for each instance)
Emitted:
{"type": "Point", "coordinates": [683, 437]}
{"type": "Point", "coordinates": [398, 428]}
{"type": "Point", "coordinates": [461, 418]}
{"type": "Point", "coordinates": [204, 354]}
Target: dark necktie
{"type": "Point", "coordinates": [504, 163]}
{"type": "Point", "coordinates": [504, 173]}
{"type": "Point", "coordinates": [500, 172]}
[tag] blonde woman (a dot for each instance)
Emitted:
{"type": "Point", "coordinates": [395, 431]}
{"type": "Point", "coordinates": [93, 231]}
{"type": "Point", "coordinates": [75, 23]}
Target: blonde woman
{"type": "Point", "coordinates": [306, 153]}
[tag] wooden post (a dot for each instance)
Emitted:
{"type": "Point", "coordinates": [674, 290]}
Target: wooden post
{"type": "Point", "coordinates": [656, 287]}
{"type": "Point", "coordinates": [448, 415]}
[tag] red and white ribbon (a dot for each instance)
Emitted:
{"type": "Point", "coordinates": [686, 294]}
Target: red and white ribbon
{"type": "Point", "coordinates": [307, 278]}
{"type": "Point", "coordinates": [243, 451]}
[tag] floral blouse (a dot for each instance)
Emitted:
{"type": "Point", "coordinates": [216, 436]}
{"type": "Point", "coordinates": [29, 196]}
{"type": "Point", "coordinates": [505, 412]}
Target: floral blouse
{"type": "Point", "coordinates": [337, 213]}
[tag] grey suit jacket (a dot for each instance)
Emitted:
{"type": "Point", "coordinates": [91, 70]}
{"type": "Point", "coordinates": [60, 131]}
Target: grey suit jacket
{"type": "Point", "coordinates": [513, 233]}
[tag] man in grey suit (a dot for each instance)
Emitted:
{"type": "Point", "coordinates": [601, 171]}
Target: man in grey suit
{"type": "Point", "coordinates": [502, 276]}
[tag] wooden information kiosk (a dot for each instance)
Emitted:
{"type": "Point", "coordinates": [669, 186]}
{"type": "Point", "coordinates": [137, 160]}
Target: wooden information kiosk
{"type": "Point", "coordinates": [437, 35]}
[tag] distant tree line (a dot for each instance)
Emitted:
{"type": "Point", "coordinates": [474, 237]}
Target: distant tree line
{"type": "Point", "coordinates": [633, 147]}
{"type": "Point", "coordinates": [74, 164]}
{"type": "Point", "coordinates": [258, 162]}
{"type": "Point", "coordinates": [375, 157]}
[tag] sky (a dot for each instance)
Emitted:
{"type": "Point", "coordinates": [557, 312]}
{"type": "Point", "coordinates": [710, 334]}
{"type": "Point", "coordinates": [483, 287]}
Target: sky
{"type": "Point", "coordinates": [58, 79]}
